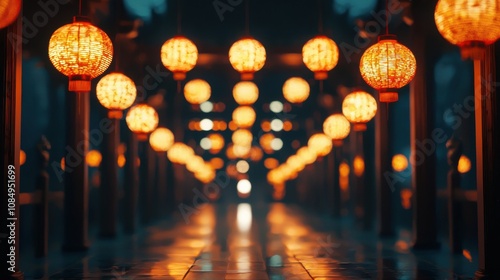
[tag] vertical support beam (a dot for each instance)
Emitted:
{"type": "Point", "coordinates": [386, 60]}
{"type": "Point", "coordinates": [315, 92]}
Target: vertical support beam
{"type": "Point", "coordinates": [161, 186]}
{"type": "Point", "coordinates": [455, 150]}
{"type": "Point", "coordinates": [131, 187]}
{"type": "Point", "coordinates": [385, 225]}
{"type": "Point", "coordinates": [336, 198]}
{"type": "Point", "coordinates": [10, 106]}
{"type": "Point", "coordinates": [487, 164]}
{"type": "Point", "coordinates": [108, 192]}
{"type": "Point", "coordinates": [42, 209]}
{"type": "Point", "coordinates": [76, 192]}
{"type": "Point", "coordinates": [147, 182]}
{"type": "Point", "coordinates": [365, 192]}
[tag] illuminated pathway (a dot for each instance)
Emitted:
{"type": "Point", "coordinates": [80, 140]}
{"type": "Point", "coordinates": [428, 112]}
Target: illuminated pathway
{"type": "Point", "coordinates": [252, 242]}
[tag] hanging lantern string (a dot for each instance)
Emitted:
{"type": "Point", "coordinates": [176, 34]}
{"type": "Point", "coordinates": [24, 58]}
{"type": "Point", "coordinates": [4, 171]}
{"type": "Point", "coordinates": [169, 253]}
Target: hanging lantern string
{"type": "Point", "coordinates": [80, 7]}
{"type": "Point", "coordinates": [247, 17]}
{"type": "Point", "coordinates": [320, 16]}
{"type": "Point", "coordinates": [179, 16]}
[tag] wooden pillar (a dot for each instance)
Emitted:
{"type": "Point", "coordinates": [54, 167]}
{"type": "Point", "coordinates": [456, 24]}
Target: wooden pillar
{"type": "Point", "coordinates": [147, 182]}
{"type": "Point", "coordinates": [455, 150]}
{"type": "Point", "coordinates": [336, 195]}
{"type": "Point", "coordinates": [10, 106]}
{"type": "Point", "coordinates": [487, 164]}
{"type": "Point", "coordinates": [42, 209]}
{"type": "Point", "coordinates": [161, 186]}
{"type": "Point", "coordinates": [424, 139]}
{"type": "Point", "coordinates": [131, 186]}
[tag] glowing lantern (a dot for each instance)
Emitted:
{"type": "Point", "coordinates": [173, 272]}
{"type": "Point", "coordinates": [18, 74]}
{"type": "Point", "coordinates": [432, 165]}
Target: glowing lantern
{"type": "Point", "coordinates": [22, 157]}
{"type": "Point", "coordinates": [245, 93]}
{"type": "Point", "coordinates": [244, 116]}
{"type": "Point", "coordinates": [344, 169]}
{"type": "Point", "coordinates": [194, 163]}
{"type": "Point", "coordinates": [320, 144]}
{"type": "Point", "coordinates": [242, 137]}
{"type": "Point", "coordinates": [464, 164]}
{"type": "Point", "coordinates": [271, 163]}
{"type": "Point", "coordinates": [116, 92]}
{"type": "Point", "coordinates": [9, 10]}
{"type": "Point", "coordinates": [388, 66]}
{"type": "Point", "coordinates": [216, 163]}
{"type": "Point", "coordinates": [179, 55]}
{"type": "Point", "coordinates": [399, 163]}
{"type": "Point", "coordinates": [180, 153]}
{"type": "Point", "coordinates": [296, 90]}
{"type": "Point", "coordinates": [359, 166]}
{"type": "Point", "coordinates": [161, 139]}
{"type": "Point", "coordinates": [80, 51]}
{"type": "Point", "coordinates": [216, 141]}
{"type": "Point", "coordinates": [142, 119]}
{"type": "Point", "coordinates": [307, 155]}
{"type": "Point", "coordinates": [197, 91]}
{"type": "Point", "coordinates": [359, 107]}
{"type": "Point", "coordinates": [337, 127]}
{"type": "Point", "coordinates": [256, 154]}
{"type": "Point", "coordinates": [247, 56]}
{"type": "Point", "coordinates": [93, 158]}
{"type": "Point", "coordinates": [320, 55]}
{"type": "Point", "coordinates": [469, 24]}
{"type": "Point", "coordinates": [265, 142]}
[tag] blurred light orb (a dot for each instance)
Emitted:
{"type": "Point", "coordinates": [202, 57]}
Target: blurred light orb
{"type": "Point", "coordinates": [142, 119]}
{"type": "Point", "coordinates": [307, 155]}
{"type": "Point", "coordinates": [320, 55]}
{"type": "Point", "coordinates": [206, 144]}
{"type": "Point", "coordinates": [179, 55]}
{"type": "Point", "coordinates": [265, 142]}
{"type": "Point", "coordinates": [242, 166]}
{"type": "Point", "coordinates": [116, 92]}
{"type": "Point", "coordinates": [344, 169]}
{"type": "Point", "coordinates": [271, 163]}
{"type": "Point", "coordinates": [197, 91]}
{"type": "Point", "coordinates": [242, 137]}
{"type": "Point", "coordinates": [320, 143]}
{"type": "Point", "coordinates": [277, 125]}
{"type": "Point", "coordinates": [245, 93]}
{"type": "Point", "coordinates": [217, 163]}
{"type": "Point", "coordinates": [277, 144]}
{"type": "Point", "coordinates": [22, 157]}
{"type": "Point", "coordinates": [180, 153]}
{"type": "Point", "coordinates": [464, 164]}
{"type": "Point", "coordinates": [9, 11]}
{"type": "Point", "coordinates": [244, 116]}
{"type": "Point", "coordinates": [359, 166]}
{"type": "Point", "coordinates": [216, 141]}
{"type": "Point", "coordinates": [244, 186]}
{"type": "Point", "coordinates": [247, 56]}
{"type": "Point", "coordinates": [161, 139]}
{"type": "Point", "coordinates": [399, 162]}
{"type": "Point", "coordinates": [337, 127]}
{"type": "Point", "coordinates": [388, 66]}
{"type": "Point", "coordinates": [276, 107]}
{"type": "Point", "coordinates": [359, 107]}
{"type": "Point", "coordinates": [296, 90]}
{"type": "Point", "coordinates": [206, 124]}
{"type": "Point", "coordinates": [93, 158]}
{"type": "Point", "coordinates": [256, 154]}
{"type": "Point", "coordinates": [207, 107]}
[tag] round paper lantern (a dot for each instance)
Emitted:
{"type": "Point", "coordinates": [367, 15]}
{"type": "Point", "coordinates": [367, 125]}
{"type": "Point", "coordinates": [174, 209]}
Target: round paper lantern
{"type": "Point", "coordinates": [320, 144]}
{"type": "Point", "coordinates": [180, 153]}
{"type": "Point", "coordinates": [359, 107]}
{"type": "Point", "coordinates": [337, 127]}
{"type": "Point", "coordinates": [399, 163]}
{"type": "Point", "coordinates": [142, 119]}
{"type": "Point", "coordinates": [9, 10]}
{"type": "Point", "coordinates": [469, 24]}
{"type": "Point", "coordinates": [242, 137]}
{"type": "Point", "coordinates": [244, 116]}
{"type": "Point", "coordinates": [116, 92]}
{"type": "Point", "coordinates": [197, 91]}
{"type": "Point", "coordinates": [247, 56]}
{"type": "Point", "coordinates": [93, 158]}
{"type": "Point", "coordinates": [320, 55]}
{"type": "Point", "coordinates": [245, 93]}
{"type": "Point", "coordinates": [307, 155]}
{"type": "Point", "coordinates": [179, 55]}
{"type": "Point", "coordinates": [161, 139]}
{"type": "Point", "coordinates": [80, 51]}
{"type": "Point", "coordinates": [388, 66]}
{"type": "Point", "coordinates": [464, 164]}
{"type": "Point", "coordinates": [296, 90]}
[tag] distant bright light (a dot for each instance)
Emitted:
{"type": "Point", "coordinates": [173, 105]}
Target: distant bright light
{"type": "Point", "coordinates": [244, 217]}
{"type": "Point", "coordinates": [277, 125]}
{"type": "Point", "coordinates": [276, 144]}
{"type": "Point", "coordinates": [206, 107]}
{"type": "Point", "coordinates": [276, 107]}
{"type": "Point", "coordinates": [206, 144]}
{"type": "Point", "coordinates": [206, 124]}
{"type": "Point", "coordinates": [244, 186]}
{"type": "Point", "coordinates": [242, 166]}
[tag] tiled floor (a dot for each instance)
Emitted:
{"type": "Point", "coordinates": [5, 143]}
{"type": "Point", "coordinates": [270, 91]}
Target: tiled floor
{"type": "Point", "coordinates": [251, 242]}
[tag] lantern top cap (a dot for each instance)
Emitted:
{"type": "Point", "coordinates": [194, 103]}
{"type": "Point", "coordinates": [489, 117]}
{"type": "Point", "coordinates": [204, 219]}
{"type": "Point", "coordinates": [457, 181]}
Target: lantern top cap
{"type": "Point", "coordinates": [84, 19]}
{"type": "Point", "coordinates": [387, 37]}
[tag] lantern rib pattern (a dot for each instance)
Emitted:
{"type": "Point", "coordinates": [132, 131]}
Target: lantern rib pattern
{"type": "Point", "coordinates": [116, 91]}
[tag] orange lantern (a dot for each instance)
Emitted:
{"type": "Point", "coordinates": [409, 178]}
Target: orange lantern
{"type": "Point", "coordinates": [244, 116]}
{"type": "Point", "coordinates": [161, 139]}
{"type": "Point", "coordinates": [307, 155]}
{"type": "Point", "coordinates": [388, 66]}
{"type": "Point", "coordinates": [296, 90]}
{"type": "Point", "coordinates": [399, 163]}
{"type": "Point", "coordinates": [80, 51]}
{"type": "Point", "coordinates": [197, 91]}
{"type": "Point", "coordinates": [247, 56]}
{"type": "Point", "coordinates": [93, 158]}
{"type": "Point", "coordinates": [469, 24]}
{"type": "Point", "coordinates": [142, 119]}
{"type": "Point", "coordinates": [245, 93]}
{"type": "Point", "coordinates": [9, 11]}
{"type": "Point", "coordinates": [464, 164]}
{"type": "Point", "coordinates": [242, 137]}
{"type": "Point", "coordinates": [359, 107]}
{"type": "Point", "coordinates": [180, 153]}
{"type": "Point", "coordinates": [179, 55]}
{"type": "Point", "coordinates": [320, 144]}
{"type": "Point", "coordinates": [116, 92]}
{"type": "Point", "coordinates": [337, 127]}
{"type": "Point", "coordinates": [216, 141]}
{"type": "Point", "coordinates": [320, 55]}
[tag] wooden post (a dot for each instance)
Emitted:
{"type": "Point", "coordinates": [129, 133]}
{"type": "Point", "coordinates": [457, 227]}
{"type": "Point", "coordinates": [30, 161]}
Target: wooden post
{"type": "Point", "coordinates": [147, 182]}
{"type": "Point", "coordinates": [131, 187]}
{"type": "Point", "coordinates": [336, 195]}
{"type": "Point", "coordinates": [161, 186]}
{"type": "Point", "coordinates": [42, 209]}
{"type": "Point", "coordinates": [454, 208]}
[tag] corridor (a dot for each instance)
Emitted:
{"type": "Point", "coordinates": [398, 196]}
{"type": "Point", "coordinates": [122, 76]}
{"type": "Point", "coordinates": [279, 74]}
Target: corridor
{"type": "Point", "coordinates": [243, 241]}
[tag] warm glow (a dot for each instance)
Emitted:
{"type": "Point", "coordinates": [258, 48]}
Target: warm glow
{"type": "Point", "coordinates": [217, 163]}
{"type": "Point", "coordinates": [244, 217]}
{"type": "Point", "coordinates": [406, 195]}
{"type": "Point", "coordinates": [307, 155]}
{"type": "Point", "coordinates": [337, 127]}
{"type": "Point", "coordinates": [22, 158]}
{"type": "Point", "coordinates": [93, 158]}
{"type": "Point", "coordinates": [388, 66]}
{"type": "Point", "coordinates": [161, 139]}
{"type": "Point", "coordinates": [469, 24]}
{"type": "Point", "coordinates": [276, 125]}
{"type": "Point", "coordinates": [296, 90]}
{"type": "Point", "coordinates": [344, 169]}
{"type": "Point", "coordinates": [245, 93]}
{"type": "Point", "coordinates": [359, 166]}
{"type": "Point", "coordinates": [242, 166]}
{"type": "Point", "coordinates": [179, 55]}
{"type": "Point", "coordinates": [244, 116]}
{"type": "Point", "coordinates": [276, 107]}
{"type": "Point", "coordinates": [464, 164]}
{"type": "Point", "coordinates": [197, 91]}
{"type": "Point", "coordinates": [9, 10]}
{"type": "Point", "coordinates": [320, 55]}
{"type": "Point", "coordinates": [359, 107]}
{"type": "Point", "coordinates": [320, 144]}
{"type": "Point", "coordinates": [256, 154]}
{"type": "Point", "coordinates": [271, 163]}
{"type": "Point", "coordinates": [242, 137]}
{"type": "Point", "coordinates": [207, 107]}
{"type": "Point", "coordinates": [121, 161]}
{"type": "Point", "coordinates": [265, 142]}
{"type": "Point", "coordinates": [399, 163]}
{"type": "Point", "coordinates": [180, 153]}
{"type": "Point", "coordinates": [206, 124]}
{"type": "Point", "coordinates": [244, 186]}
{"type": "Point", "coordinates": [194, 163]}
{"type": "Point", "coordinates": [142, 119]}
{"type": "Point", "coordinates": [80, 51]}
{"type": "Point", "coordinates": [116, 92]}
{"type": "Point", "coordinates": [217, 142]}
{"type": "Point", "coordinates": [247, 56]}
{"type": "Point", "coordinates": [276, 144]}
